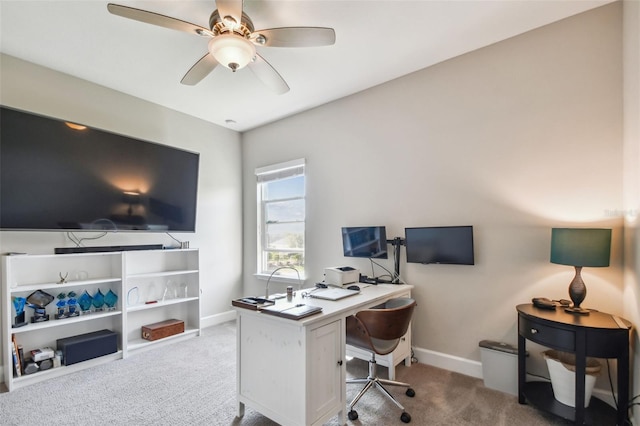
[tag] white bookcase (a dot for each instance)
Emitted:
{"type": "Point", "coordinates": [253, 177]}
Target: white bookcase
{"type": "Point", "coordinates": [168, 278]}
{"type": "Point", "coordinates": [171, 283]}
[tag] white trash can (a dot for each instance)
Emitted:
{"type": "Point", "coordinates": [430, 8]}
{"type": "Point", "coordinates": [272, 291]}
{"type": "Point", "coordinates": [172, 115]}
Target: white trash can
{"type": "Point", "coordinates": [562, 371]}
{"type": "Point", "coordinates": [499, 366]}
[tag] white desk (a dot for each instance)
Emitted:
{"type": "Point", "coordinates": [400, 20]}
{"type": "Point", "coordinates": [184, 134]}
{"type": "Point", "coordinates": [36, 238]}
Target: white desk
{"type": "Point", "coordinates": [294, 372]}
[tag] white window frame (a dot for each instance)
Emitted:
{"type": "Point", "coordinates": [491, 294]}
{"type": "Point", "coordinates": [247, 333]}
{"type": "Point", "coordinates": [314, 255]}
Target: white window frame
{"type": "Point", "coordinates": [269, 174]}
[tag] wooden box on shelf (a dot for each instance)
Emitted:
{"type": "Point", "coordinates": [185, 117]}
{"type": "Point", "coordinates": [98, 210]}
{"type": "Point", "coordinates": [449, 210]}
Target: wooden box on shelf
{"type": "Point", "coordinates": [162, 329]}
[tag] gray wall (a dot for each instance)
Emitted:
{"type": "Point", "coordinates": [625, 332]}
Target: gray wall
{"type": "Point", "coordinates": [32, 88]}
{"type": "Point", "coordinates": [514, 139]}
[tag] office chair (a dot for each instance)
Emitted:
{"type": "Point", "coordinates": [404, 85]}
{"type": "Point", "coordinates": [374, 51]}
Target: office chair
{"type": "Point", "coordinates": [379, 330]}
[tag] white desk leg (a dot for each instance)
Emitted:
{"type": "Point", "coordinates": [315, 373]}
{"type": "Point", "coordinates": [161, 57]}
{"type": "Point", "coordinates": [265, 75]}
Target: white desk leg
{"type": "Point", "coordinates": [342, 414]}
{"type": "Point", "coordinates": [240, 409]}
{"type": "Point", "coordinates": [407, 361]}
{"type": "Point", "coordinates": [392, 371]}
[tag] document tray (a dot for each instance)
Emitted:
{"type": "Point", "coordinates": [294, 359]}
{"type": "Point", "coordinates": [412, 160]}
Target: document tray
{"type": "Point", "coordinates": [253, 303]}
{"type": "Point", "coordinates": [292, 311]}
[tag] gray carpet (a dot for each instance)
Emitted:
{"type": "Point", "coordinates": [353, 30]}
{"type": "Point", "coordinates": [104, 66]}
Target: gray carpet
{"type": "Point", "coordinates": [193, 382]}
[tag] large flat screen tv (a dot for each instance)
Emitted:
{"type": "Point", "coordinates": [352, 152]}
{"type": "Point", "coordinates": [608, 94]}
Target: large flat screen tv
{"type": "Point", "coordinates": [451, 245]}
{"type": "Point", "coordinates": [365, 241]}
{"type": "Point", "coordinates": [53, 177]}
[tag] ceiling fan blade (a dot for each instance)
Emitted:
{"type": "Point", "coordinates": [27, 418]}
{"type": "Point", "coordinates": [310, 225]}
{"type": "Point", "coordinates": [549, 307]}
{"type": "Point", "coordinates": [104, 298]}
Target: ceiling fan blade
{"type": "Point", "coordinates": [157, 19]}
{"type": "Point", "coordinates": [231, 8]}
{"type": "Point", "coordinates": [295, 37]}
{"type": "Point", "coordinates": [268, 75]}
{"type": "Point", "coordinates": [199, 70]}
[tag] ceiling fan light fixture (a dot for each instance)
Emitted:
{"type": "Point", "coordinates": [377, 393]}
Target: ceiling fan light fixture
{"type": "Point", "coordinates": [232, 51]}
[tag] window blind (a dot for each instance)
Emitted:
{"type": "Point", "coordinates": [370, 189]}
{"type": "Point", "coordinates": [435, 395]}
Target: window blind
{"type": "Point", "coordinates": [280, 171]}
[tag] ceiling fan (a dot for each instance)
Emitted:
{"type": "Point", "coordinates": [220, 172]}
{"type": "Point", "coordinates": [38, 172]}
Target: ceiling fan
{"type": "Point", "coordinates": [233, 40]}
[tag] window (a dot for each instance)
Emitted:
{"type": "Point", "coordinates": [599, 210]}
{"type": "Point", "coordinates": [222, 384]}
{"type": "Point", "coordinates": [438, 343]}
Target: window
{"type": "Point", "coordinates": [281, 216]}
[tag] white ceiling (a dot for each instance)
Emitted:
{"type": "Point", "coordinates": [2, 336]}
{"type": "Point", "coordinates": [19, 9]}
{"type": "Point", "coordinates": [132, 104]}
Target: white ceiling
{"type": "Point", "coordinates": [376, 41]}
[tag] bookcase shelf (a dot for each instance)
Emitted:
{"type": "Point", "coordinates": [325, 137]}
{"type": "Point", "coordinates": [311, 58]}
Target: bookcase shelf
{"type": "Point", "coordinates": [94, 316]}
{"type": "Point", "coordinates": [168, 278]}
{"type": "Point", "coordinates": [138, 344]}
{"type": "Point", "coordinates": [19, 382]}
{"type": "Point", "coordinates": [162, 274]}
{"type": "Point", "coordinates": [47, 286]}
{"type": "Point", "coordinates": [161, 304]}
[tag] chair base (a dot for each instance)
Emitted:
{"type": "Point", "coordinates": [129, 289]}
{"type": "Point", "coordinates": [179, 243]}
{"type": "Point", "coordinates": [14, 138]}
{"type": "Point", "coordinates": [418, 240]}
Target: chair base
{"type": "Point", "coordinates": [372, 380]}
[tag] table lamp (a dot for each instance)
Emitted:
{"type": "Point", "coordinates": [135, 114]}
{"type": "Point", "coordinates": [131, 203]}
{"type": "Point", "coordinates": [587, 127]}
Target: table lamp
{"type": "Point", "coordinates": [579, 247]}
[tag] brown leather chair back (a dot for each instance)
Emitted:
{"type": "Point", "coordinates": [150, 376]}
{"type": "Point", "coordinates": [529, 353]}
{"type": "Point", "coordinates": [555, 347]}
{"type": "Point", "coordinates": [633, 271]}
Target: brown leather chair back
{"type": "Point", "coordinates": [380, 329]}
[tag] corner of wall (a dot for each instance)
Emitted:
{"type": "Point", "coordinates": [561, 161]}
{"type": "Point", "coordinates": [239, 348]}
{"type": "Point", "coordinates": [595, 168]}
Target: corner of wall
{"type": "Point", "coordinates": [631, 183]}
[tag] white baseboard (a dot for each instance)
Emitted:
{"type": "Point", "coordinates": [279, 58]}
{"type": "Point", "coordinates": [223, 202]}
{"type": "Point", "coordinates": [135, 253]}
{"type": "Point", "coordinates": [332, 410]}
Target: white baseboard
{"type": "Point", "coordinates": [217, 319]}
{"type": "Point", "coordinates": [449, 362]}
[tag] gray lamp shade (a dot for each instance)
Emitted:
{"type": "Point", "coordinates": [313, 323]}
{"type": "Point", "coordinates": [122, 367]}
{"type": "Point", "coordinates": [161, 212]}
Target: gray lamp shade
{"type": "Point", "coordinates": [581, 246]}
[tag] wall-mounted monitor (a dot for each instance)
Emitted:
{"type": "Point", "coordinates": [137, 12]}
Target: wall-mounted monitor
{"type": "Point", "coordinates": [365, 241]}
{"type": "Point", "coordinates": [57, 177]}
{"type": "Point", "coordinates": [451, 245]}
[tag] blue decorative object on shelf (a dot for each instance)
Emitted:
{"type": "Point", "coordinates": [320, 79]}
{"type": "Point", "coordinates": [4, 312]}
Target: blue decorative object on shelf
{"type": "Point", "coordinates": [61, 303]}
{"type": "Point", "coordinates": [72, 304]}
{"type": "Point", "coordinates": [98, 300]}
{"type": "Point", "coordinates": [18, 304]}
{"type": "Point", "coordinates": [85, 302]}
{"type": "Point", "coordinates": [110, 299]}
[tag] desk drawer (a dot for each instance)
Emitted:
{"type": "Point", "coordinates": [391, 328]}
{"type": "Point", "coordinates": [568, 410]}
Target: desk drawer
{"type": "Point", "coordinates": [556, 338]}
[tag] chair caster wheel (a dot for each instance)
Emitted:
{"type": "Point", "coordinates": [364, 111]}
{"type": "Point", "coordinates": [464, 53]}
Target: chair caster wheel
{"type": "Point", "coordinates": [353, 415]}
{"type": "Point", "coordinates": [410, 392]}
{"type": "Point", "coordinates": [405, 417]}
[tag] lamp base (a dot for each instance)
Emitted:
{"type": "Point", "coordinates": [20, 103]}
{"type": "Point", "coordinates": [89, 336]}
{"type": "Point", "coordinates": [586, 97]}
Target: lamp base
{"type": "Point", "coordinates": [577, 293]}
{"type": "Point", "coordinates": [577, 311]}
